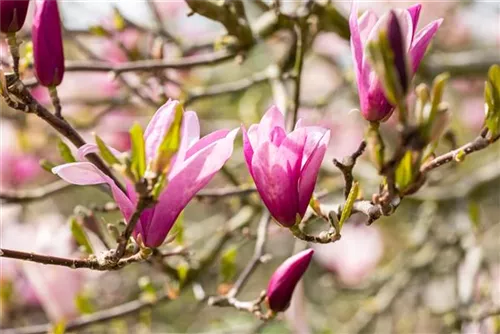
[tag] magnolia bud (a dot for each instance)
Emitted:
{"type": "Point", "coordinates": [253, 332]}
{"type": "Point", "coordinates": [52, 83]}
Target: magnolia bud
{"type": "Point", "coordinates": [12, 15]}
{"type": "Point", "coordinates": [48, 51]}
{"type": "Point", "coordinates": [285, 278]}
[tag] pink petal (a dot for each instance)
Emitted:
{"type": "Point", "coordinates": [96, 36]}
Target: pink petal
{"type": "Point", "coordinates": [415, 15]}
{"type": "Point", "coordinates": [247, 149]}
{"type": "Point", "coordinates": [92, 148]}
{"type": "Point", "coordinates": [314, 135]}
{"type": "Point", "coordinates": [85, 173]}
{"type": "Point", "coordinates": [357, 47]}
{"type": "Point", "coordinates": [158, 127]}
{"type": "Point", "coordinates": [190, 134]}
{"type": "Point", "coordinates": [366, 23]}
{"type": "Point", "coordinates": [421, 42]}
{"type": "Point", "coordinates": [310, 171]}
{"type": "Point", "coordinates": [206, 141]}
{"type": "Point", "coordinates": [196, 172]}
{"type": "Point", "coordinates": [271, 119]}
{"type": "Point", "coordinates": [277, 136]}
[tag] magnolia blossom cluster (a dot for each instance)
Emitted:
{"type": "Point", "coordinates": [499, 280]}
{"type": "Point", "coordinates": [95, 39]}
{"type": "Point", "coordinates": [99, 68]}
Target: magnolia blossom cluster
{"type": "Point", "coordinates": [284, 165]}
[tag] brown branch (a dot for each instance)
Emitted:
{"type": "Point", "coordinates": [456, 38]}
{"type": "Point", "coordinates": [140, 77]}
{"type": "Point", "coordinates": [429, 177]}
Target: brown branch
{"type": "Point", "coordinates": [119, 311]}
{"type": "Point", "coordinates": [256, 258]}
{"type": "Point", "coordinates": [20, 91]}
{"type": "Point", "coordinates": [90, 263]}
{"type": "Point", "coordinates": [29, 195]}
{"type": "Point", "coordinates": [148, 65]}
{"type": "Point", "coordinates": [476, 145]}
{"type": "Point", "coordinates": [226, 192]}
{"type": "Point", "coordinates": [347, 165]}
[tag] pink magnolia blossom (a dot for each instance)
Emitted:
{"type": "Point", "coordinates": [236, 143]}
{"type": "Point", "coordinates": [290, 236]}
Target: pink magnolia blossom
{"type": "Point", "coordinates": [12, 15]}
{"type": "Point", "coordinates": [193, 167]}
{"type": "Point", "coordinates": [17, 168]}
{"type": "Point", "coordinates": [48, 51]}
{"type": "Point", "coordinates": [374, 104]}
{"type": "Point", "coordinates": [354, 256]}
{"type": "Point", "coordinates": [284, 166]}
{"type": "Point", "coordinates": [285, 278]}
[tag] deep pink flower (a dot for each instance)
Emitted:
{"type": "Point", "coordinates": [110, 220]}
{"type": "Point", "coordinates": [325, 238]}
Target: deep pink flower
{"type": "Point", "coordinates": [193, 167]}
{"type": "Point", "coordinates": [12, 15]}
{"type": "Point", "coordinates": [285, 278]}
{"type": "Point", "coordinates": [48, 51]}
{"type": "Point", "coordinates": [284, 166]}
{"type": "Point", "coordinates": [374, 104]}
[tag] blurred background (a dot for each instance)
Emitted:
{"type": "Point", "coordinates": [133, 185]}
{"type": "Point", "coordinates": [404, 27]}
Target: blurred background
{"type": "Point", "coordinates": [426, 269]}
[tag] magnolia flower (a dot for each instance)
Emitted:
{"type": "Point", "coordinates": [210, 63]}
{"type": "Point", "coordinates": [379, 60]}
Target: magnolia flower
{"type": "Point", "coordinates": [284, 166]}
{"type": "Point", "coordinates": [374, 104]}
{"type": "Point", "coordinates": [193, 167]}
{"type": "Point", "coordinates": [48, 51]}
{"type": "Point", "coordinates": [12, 15]}
{"type": "Point", "coordinates": [285, 278]}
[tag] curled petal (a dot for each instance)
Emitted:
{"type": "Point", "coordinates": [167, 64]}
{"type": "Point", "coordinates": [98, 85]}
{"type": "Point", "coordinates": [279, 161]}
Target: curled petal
{"type": "Point", "coordinates": [85, 173]}
{"type": "Point", "coordinates": [415, 15]}
{"type": "Point", "coordinates": [190, 134]}
{"type": "Point", "coordinates": [247, 149]}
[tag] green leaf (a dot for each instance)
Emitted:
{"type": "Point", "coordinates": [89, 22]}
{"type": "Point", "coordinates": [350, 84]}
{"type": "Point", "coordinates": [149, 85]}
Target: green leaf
{"type": "Point", "coordinates": [404, 171]}
{"type": "Point", "coordinates": [228, 264]}
{"type": "Point", "coordinates": [84, 304]}
{"type": "Point", "coordinates": [178, 229]}
{"type": "Point", "coordinates": [105, 152]}
{"type": "Point", "coordinates": [438, 86]}
{"type": "Point", "coordinates": [138, 155]}
{"type": "Point", "coordinates": [492, 100]}
{"type": "Point", "coordinates": [161, 182]}
{"type": "Point", "coordinates": [182, 272]}
{"type": "Point", "coordinates": [80, 235]}
{"type": "Point", "coordinates": [474, 213]}
{"type": "Point", "coordinates": [170, 143]}
{"type": "Point", "coordinates": [346, 211]}
{"type": "Point", "coordinates": [65, 152]}
{"type": "Point", "coordinates": [46, 165]}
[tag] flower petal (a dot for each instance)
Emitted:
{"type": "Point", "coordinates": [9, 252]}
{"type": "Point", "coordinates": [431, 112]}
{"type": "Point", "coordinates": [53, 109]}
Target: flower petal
{"type": "Point", "coordinates": [85, 173]}
{"type": "Point", "coordinates": [93, 148]}
{"type": "Point", "coordinates": [158, 127]}
{"type": "Point", "coordinates": [247, 149]}
{"type": "Point", "coordinates": [196, 172]}
{"type": "Point", "coordinates": [415, 15]}
{"type": "Point", "coordinates": [357, 46]}
{"type": "Point", "coordinates": [366, 23]}
{"type": "Point", "coordinates": [271, 119]}
{"type": "Point", "coordinates": [310, 171]}
{"type": "Point", "coordinates": [421, 42]}
{"type": "Point", "coordinates": [190, 134]}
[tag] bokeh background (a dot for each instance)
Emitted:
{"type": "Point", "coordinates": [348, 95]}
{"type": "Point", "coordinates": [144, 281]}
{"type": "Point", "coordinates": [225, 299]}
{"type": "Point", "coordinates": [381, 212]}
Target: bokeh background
{"type": "Point", "coordinates": [415, 272]}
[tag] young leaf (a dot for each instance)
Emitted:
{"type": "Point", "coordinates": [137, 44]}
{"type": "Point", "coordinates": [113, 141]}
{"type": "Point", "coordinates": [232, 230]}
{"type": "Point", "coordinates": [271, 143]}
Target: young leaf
{"type": "Point", "coordinates": [182, 272]}
{"type": "Point", "coordinates": [346, 211]}
{"type": "Point", "coordinates": [228, 264]}
{"type": "Point", "coordinates": [492, 100]}
{"type": "Point", "coordinates": [106, 154]}
{"type": "Point", "coordinates": [138, 155]}
{"type": "Point", "coordinates": [65, 152]}
{"type": "Point", "coordinates": [404, 171]}
{"type": "Point", "coordinates": [80, 235]}
{"type": "Point", "coordinates": [170, 143]}
{"type": "Point", "coordinates": [58, 328]}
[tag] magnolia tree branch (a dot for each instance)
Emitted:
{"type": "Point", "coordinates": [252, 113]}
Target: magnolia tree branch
{"type": "Point", "coordinates": [24, 196]}
{"type": "Point", "coordinates": [347, 165]}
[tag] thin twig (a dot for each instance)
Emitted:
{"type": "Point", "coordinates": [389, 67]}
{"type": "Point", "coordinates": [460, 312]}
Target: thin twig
{"type": "Point", "coordinates": [256, 258]}
{"type": "Point", "coordinates": [347, 165]}
{"type": "Point", "coordinates": [23, 196]}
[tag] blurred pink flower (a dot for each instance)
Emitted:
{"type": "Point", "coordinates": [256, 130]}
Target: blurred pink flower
{"type": "Point", "coordinates": [17, 169]}
{"type": "Point", "coordinates": [354, 256]}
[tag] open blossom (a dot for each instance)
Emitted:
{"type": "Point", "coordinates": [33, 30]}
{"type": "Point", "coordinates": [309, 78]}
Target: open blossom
{"type": "Point", "coordinates": [284, 166]}
{"type": "Point", "coordinates": [12, 15]}
{"type": "Point", "coordinates": [285, 278]}
{"type": "Point", "coordinates": [374, 104]}
{"type": "Point", "coordinates": [48, 51]}
{"type": "Point", "coordinates": [193, 167]}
